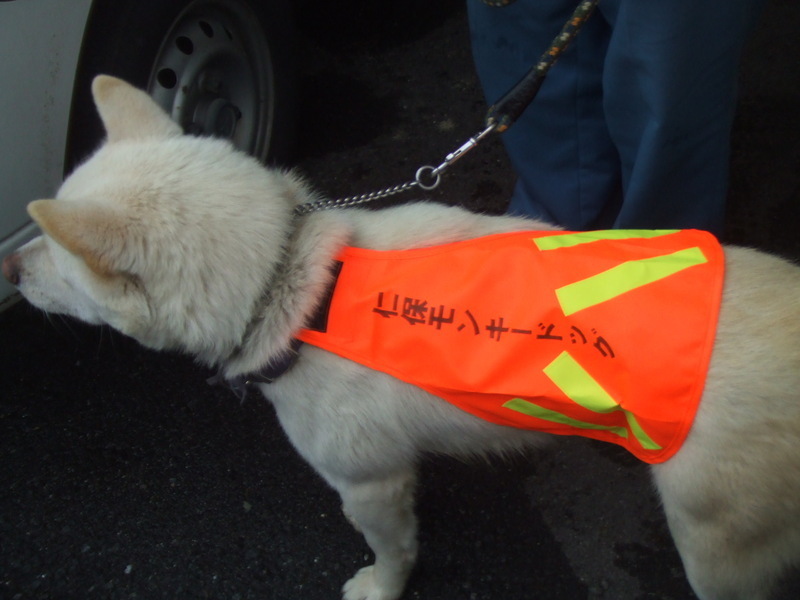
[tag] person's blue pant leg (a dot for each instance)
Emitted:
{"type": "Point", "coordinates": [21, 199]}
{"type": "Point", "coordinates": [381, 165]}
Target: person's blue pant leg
{"type": "Point", "coordinates": [560, 148]}
{"type": "Point", "coordinates": [670, 95]}
{"type": "Point", "coordinates": [647, 94]}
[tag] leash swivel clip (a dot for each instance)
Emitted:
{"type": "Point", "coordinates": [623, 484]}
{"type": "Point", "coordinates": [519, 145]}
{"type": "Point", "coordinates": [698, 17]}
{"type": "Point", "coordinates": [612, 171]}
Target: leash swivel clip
{"type": "Point", "coordinates": [429, 178]}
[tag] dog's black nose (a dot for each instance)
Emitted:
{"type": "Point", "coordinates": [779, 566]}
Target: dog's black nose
{"type": "Point", "coordinates": [11, 268]}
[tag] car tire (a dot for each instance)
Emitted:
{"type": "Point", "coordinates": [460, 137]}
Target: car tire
{"type": "Point", "coordinates": [219, 67]}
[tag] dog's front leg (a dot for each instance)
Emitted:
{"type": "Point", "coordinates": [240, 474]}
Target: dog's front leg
{"type": "Point", "coordinates": [383, 510]}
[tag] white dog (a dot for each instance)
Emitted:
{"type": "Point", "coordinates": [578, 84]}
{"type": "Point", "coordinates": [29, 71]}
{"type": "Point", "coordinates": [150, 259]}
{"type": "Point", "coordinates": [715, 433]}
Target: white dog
{"type": "Point", "coordinates": [185, 243]}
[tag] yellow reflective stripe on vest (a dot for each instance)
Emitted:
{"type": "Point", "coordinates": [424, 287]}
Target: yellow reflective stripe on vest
{"type": "Point", "coordinates": [625, 277]}
{"type": "Point", "coordinates": [545, 414]}
{"type": "Point", "coordinates": [580, 387]}
{"type": "Point", "coordinates": [568, 240]}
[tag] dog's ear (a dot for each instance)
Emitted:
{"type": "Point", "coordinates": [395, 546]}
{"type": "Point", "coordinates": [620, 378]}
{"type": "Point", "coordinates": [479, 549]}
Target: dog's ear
{"type": "Point", "coordinates": [96, 234]}
{"type": "Point", "coordinates": [129, 113]}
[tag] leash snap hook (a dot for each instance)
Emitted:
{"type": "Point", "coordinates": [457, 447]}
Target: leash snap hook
{"type": "Point", "coordinates": [434, 174]}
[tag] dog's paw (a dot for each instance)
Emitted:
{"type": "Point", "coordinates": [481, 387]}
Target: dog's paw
{"type": "Point", "coordinates": [364, 587]}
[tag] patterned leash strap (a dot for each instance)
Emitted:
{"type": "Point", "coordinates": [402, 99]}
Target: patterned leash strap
{"type": "Point", "coordinates": [506, 110]}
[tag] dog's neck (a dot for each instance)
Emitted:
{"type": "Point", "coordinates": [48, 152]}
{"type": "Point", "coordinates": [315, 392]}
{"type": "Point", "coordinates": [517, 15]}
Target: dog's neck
{"type": "Point", "coordinates": [292, 295]}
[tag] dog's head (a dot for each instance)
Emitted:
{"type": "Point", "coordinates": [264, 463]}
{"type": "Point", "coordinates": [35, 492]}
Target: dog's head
{"type": "Point", "coordinates": [168, 238]}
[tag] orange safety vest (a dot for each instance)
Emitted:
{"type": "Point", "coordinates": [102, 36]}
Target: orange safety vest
{"type": "Point", "coordinates": [605, 334]}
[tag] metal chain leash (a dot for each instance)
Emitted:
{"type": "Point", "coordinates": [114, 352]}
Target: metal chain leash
{"type": "Point", "coordinates": [500, 117]}
{"type": "Point", "coordinates": [304, 209]}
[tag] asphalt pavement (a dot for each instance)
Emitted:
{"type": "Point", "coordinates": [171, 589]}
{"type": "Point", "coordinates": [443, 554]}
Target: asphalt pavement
{"type": "Point", "coordinates": [124, 475]}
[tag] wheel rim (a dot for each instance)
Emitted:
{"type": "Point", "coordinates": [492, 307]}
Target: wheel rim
{"type": "Point", "coordinates": [213, 74]}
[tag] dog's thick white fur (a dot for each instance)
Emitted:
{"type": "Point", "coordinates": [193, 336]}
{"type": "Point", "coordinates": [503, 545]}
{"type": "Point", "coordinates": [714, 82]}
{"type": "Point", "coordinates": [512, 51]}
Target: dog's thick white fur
{"type": "Point", "coordinates": [185, 243]}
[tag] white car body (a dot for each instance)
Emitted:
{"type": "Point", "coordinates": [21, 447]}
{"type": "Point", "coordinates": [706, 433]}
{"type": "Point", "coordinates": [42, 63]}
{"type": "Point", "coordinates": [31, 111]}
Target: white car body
{"type": "Point", "coordinates": [40, 42]}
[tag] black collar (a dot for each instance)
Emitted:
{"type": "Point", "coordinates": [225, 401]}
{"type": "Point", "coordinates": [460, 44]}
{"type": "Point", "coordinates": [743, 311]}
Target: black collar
{"type": "Point", "coordinates": [240, 384]}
